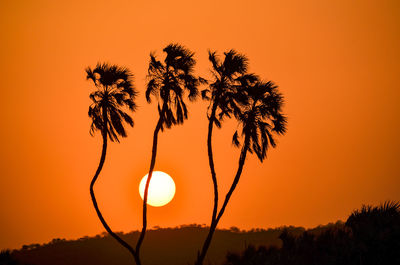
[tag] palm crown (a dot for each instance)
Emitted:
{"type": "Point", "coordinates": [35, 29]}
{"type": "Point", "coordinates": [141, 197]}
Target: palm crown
{"type": "Point", "coordinates": [261, 117]}
{"type": "Point", "coordinates": [115, 91]}
{"type": "Point", "coordinates": [168, 80]}
{"type": "Point", "coordinates": [223, 93]}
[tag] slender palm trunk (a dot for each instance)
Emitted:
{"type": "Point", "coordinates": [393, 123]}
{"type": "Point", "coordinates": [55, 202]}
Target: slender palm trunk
{"type": "Point", "coordinates": [211, 162]}
{"type": "Point", "coordinates": [242, 159]}
{"type": "Point", "coordinates": [146, 190]}
{"type": "Point", "coordinates": [108, 229]}
{"type": "Point", "coordinates": [215, 222]}
{"type": "Point", "coordinates": [206, 244]}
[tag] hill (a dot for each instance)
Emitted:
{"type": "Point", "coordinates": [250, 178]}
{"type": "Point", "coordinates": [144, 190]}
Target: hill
{"type": "Point", "coordinates": [370, 236]}
{"type": "Point", "coordinates": [177, 246]}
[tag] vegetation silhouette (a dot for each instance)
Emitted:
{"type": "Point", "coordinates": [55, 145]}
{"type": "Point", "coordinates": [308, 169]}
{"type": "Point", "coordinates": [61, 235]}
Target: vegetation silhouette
{"type": "Point", "coordinates": [370, 236]}
{"type": "Point", "coordinates": [167, 246]}
{"type": "Point", "coordinates": [6, 258]}
{"type": "Point", "coordinates": [168, 81]}
{"type": "Point", "coordinates": [114, 92]}
{"type": "Point", "coordinates": [376, 233]}
{"type": "Point", "coordinates": [256, 105]}
{"type": "Point", "coordinates": [221, 95]}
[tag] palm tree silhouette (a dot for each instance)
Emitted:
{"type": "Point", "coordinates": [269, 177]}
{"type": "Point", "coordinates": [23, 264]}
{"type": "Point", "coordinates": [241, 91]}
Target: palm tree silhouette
{"type": "Point", "coordinates": [376, 233]}
{"type": "Point", "coordinates": [167, 81]}
{"type": "Point", "coordinates": [224, 99]}
{"type": "Point", "coordinates": [114, 92]}
{"type": "Point", "coordinates": [260, 119]}
{"type": "Point", "coordinates": [259, 115]}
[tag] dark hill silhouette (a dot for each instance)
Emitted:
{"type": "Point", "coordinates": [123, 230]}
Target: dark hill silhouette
{"type": "Point", "coordinates": [168, 246]}
{"type": "Point", "coordinates": [370, 236]}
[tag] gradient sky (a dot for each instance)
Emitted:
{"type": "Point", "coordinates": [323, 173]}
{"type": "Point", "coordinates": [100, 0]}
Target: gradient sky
{"type": "Point", "coordinates": [336, 62]}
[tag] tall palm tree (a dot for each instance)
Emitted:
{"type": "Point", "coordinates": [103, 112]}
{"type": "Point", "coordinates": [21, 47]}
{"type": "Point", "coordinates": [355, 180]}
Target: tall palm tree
{"type": "Point", "coordinates": [224, 99]}
{"type": "Point", "coordinates": [168, 81]}
{"type": "Point", "coordinates": [260, 117]}
{"type": "Point", "coordinates": [114, 93]}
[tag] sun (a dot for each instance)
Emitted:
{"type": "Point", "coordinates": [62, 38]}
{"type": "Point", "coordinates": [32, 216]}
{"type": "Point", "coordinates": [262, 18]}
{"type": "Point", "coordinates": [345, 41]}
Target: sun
{"type": "Point", "coordinates": [161, 189]}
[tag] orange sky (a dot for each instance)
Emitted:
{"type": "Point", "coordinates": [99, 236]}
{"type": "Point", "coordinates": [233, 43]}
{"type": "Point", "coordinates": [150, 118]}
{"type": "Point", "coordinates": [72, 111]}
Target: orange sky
{"type": "Point", "coordinates": [336, 62]}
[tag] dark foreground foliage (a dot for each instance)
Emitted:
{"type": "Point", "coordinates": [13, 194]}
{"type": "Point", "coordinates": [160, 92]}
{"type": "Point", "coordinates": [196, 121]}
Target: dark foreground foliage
{"type": "Point", "coordinates": [6, 258]}
{"type": "Point", "coordinates": [370, 236]}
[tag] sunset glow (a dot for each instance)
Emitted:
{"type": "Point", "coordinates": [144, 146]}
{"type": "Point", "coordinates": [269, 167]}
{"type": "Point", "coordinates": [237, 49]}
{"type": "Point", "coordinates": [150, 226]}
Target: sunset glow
{"type": "Point", "coordinates": [336, 63]}
{"type": "Point", "coordinates": [161, 189]}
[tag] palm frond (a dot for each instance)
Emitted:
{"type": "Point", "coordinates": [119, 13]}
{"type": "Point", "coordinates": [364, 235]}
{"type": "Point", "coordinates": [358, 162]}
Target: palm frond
{"type": "Point", "coordinates": [235, 139]}
{"type": "Point", "coordinates": [260, 114]}
{"type": "Point", "coordinates": [115, 91]}
{"type": "Point", "coordinates": [126, 117]}
{"type": "Point", "coordinates": [90, 75]}
{"type": "Point", "coordinates": [217, 123]}
{"type": "Point", "coordinates": [204, 94]}
{"type": "Point", "coordinates": [152, 87]}
{"type": "Point", "coordinates": [234, 63]}
{"type": "Point", "coordinates": [225, 90]}
{"type": "Point", "coordinates": [280, 124]}
{"type": "Point", "coordinates": [212, 56]}
{"type": "Point", "coordinates": [116, 123]}
{"type": "Point", "coordinates": [170, 81]}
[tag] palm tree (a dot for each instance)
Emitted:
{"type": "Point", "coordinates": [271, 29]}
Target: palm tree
{"type": "Point", "coordinates": [114, 93]}
{"type": "Point", "coordinates": [223, 101]}
{"type": "Point", "coordinates": [260, 118]}
{"type": "Point", "coordinates": [376, 232]}
{"type": "Point", "coordinates": [167, 81]}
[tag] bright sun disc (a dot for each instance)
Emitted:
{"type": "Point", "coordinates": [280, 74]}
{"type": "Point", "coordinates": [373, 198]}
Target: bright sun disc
{"type": "Point", "coordinates": [161, 189]}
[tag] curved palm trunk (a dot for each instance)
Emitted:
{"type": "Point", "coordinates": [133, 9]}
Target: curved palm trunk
{"type": "Point", "coordinates": [213, 227]}
{"type": "Point", "coordinates": [108, 229]}
{"type": "Point", "coordinates": [242, 159]}
{"type": "Point", "coordinates": [146, 190]}
{"type": "Point", "coordinates": [207, 242]}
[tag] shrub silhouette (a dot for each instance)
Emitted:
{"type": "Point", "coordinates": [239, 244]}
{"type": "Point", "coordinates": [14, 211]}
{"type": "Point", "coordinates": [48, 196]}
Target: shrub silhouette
{"type": "Point", "coordinates": [7, 259]}
{"type": "Point", "coordinates": [369, 236]}
{"type": "Point", "coordinates": [376, 233]}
